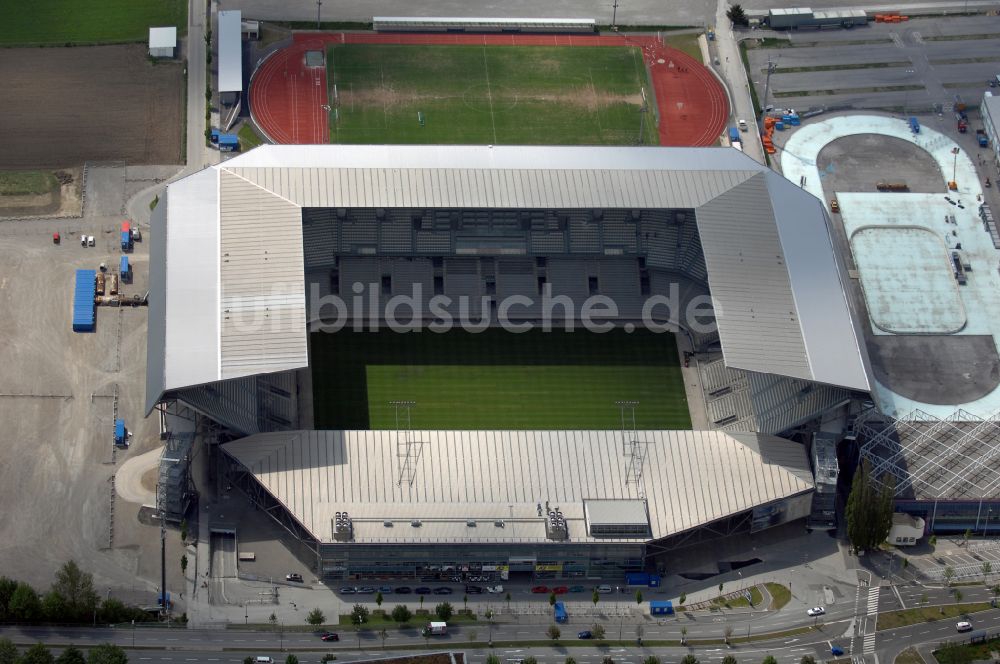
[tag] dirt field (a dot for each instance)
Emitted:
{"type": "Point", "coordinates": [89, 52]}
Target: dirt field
{"type": "Point", "coordinates": [65, 106]}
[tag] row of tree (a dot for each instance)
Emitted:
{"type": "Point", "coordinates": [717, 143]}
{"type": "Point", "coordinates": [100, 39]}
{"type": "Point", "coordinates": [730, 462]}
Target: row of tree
{"type": "Point", "coordinates": [869, 509]}
{"type": "Point", "coordinates": [40, 654]}
{"type": "Point", "coordinates": [70, 599]}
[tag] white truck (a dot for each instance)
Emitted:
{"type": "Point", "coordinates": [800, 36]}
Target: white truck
{"type": "Point", "coordinates": [437, 628]}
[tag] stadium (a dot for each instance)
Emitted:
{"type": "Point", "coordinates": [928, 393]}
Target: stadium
{"type": "Point", "coordinates": [340, 320]}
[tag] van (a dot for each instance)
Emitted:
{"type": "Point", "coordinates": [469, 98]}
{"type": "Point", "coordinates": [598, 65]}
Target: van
{"type": "Point", "coordinates": [263, 659]}
{"type": "Point", "coordinates": [743, 125]}
{"type": "Point", "coordinates": [437, 628]}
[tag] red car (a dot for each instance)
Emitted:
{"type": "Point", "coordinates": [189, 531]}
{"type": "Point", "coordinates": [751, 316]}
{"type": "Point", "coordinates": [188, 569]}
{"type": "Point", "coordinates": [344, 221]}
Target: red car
{"type": "Point", "coordinates": [560, 590]}
{"type": "Point", "coordinates": [540, 589]}
{"type": "Point", "coordinates": [330, 636]}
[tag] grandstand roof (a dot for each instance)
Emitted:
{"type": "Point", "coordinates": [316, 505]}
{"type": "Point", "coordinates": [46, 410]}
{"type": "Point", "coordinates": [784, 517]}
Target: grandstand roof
{"type": "Point", "coordinates": [688, 478]}
{"type": "Point", "coordinates": [230, 51]}
{"type": "Point", "coordinates": [234, 245]}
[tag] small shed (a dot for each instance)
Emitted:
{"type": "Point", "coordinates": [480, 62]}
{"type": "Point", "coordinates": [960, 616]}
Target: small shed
{"type": "Point", "coordinates": [162, 42]}
{"type": "Point", "coordinates": [661, 608]}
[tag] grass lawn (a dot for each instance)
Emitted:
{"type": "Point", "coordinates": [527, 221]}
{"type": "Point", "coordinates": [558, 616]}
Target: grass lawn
{"type": "Point", "coordinates": [20, 183]}
{"type": "Point", "coordinates": [909, 656]}
{"type": "Point", "coordinates": [497, 379]}
{"type": "Point", "coordinates": [96, 21]}
{"type": "Point", "coordinates": [249, 138]}
{"type": "Point", "coordinates": [688, 43]}
{"type": "Point", "coordinates": [893, 619]}
{"type": "Point", "coordinates": [741, 601]}
{"type": "Point", "coordinates": [488, 95]}
{"type": "Point", "coordinates": [780, 595]}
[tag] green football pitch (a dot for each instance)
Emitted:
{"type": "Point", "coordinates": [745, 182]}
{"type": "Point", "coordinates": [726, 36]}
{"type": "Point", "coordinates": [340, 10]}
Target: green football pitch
{"type": "Point", "coordinates": [36, 22]}
{"type": "Point", "coordinates": [497, 380]}
{"type": "Point", "coordinates": [489, 95]}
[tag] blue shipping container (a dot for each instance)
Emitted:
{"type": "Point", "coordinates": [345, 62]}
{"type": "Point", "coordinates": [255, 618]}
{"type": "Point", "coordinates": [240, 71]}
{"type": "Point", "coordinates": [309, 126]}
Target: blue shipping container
{"type": "Point", "coordinates": [559, 610]}
{"type": "Point", "coordinates": [119, 432]}
{"type": "Point", "coordinates": [124, 267]}
{"type": "Point", "coordinates": [126, 240]}
{"type": "Point", "coordinates": [637, 579]}
{"type": "Point", "coordinates": [229, 142]}
{"type": "Point", "coordinates": [734, 134]}
{"type": "Point", "coordinates": [84, 313]}
{"type": "Point", "coordinates": [914, 125]}
{"type": "Point", "coordinates": [660, 608]}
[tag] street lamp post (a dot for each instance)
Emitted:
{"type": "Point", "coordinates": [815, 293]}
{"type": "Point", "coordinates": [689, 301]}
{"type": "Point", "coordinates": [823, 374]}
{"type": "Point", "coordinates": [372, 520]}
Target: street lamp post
{"type": "Point", "coordinates": [986, 525]}
{"type": "Point", "coordinates": [614, 15]}
{"type": "Point", "coordinates": [319, 5]}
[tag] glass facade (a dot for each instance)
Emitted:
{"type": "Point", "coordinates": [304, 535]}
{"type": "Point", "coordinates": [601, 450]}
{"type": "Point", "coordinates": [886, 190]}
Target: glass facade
{"type": "Point", "coordinates": [433, 562]}
{"type": "Point", "coordinates": [982, 517]}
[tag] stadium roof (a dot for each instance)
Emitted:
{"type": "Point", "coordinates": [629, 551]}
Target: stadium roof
{"type": "Point", "coordinates": [452, 479]}
{"type": "Point", "coordinates": [235, 246]}
{"type": "Point", "coordinates": [230, 51]}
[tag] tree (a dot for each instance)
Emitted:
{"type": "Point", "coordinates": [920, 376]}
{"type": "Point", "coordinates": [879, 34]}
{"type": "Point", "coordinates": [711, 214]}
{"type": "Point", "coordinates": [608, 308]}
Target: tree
{"type": "Point", "coordinates": [597, 631]}
{"type": "Point", "coordinates": [465, 601]}
{"type": "Point", "coordinates": [444, 610]}
{"type": "Point", "coordinates": [727, 633]}
{"type": "Point", "coordinates": [248, 660]}
{"type": "Point", "coordinates": [401, 614]}
{"type": "Point", "coordinates": [987, 568]}
{"type": "Point", "coordinates": [607, 660]}
{"type": "Point", "coordinates": [378, 599]}
{"type": "Point", "coordinates": [553, 632]}
{"type": "Point", "coordinates": [507, 597]}
{"type": "Point", "coordinates": [720, 590]}
{"type": "Point", "coordinates": [382, 634]}
{"type": "Point", "coordinates": [552, 599]}
{"type": "Point", "coordinates": [684, 635]}
{"type": "Point", "coordinates": [948, 573]}
{"type": "Point", "coordinates": [71, 655]}
{"type": "Point", "coordinates": [807, 659]}
{"type": "Point", "coordinates": [689, 659]}
{"type": "Point", "coordinates": [493, 659]}
{"type": "Point", "coordinates": [652, 659]}
{"type": "Point", "coordinates": [184, 564]}
{"type": "Point", "coordinates": [184, 530]}
{"type": "Point", "coordinates": [7, 588]}
{"type": "Point", "coordinates": [596, 597]}
{"type": "Point", "coordinates": [933, 540]}
{"type": "Point", "coordinates": [967, 535]}
{"type": "Point", "coordinates": [769, 660]}
{"type": "Point", "coordinates": [291, 659]}
{"type": "Point", "coordinates": [737, 15]}
{"type": "Point", "coordinates": [24, 604]}
{"type": "Point", "coordinates": [638, 597]}
{"type": "Point", "coordinates": [107, 653]}
{"type": "Point", "coordinates": [958, 596]}
{"type": "Point", "coordinates": [54, 607]}
{"type": "Point", "coordinates": [729, 659]}
{"type": "Point", "coordinates": [530, 660]}
{"type": "Point", "coordinates": [421, 602]}
{"type": "Point", "coordinates": [37, 654]}
{"type": "Point", "coordinates": [682, 599]}
{"type": "Point", "coordinates": [316, 617]}
{"type": "Point", "coordinates": [8, 651]}
{"type": "Point", "coordinates": [869, 512]}
{"type": "Point", "coordinates": [569, 660]}
{"type": "Point", "coordinates": [359, 614]}
{"type": "Point", "coordinates": [77, 587]}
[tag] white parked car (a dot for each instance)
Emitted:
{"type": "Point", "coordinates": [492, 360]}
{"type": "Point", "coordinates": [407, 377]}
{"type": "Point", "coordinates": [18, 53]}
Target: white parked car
{"type": "Point", "coordinates": [90, 241]}
{"type": "Point", "coordinates": [494, 589]}
{"type": "Point", "coordinates": [815, 611]}
{"type": "Point", "coordinates": [964, 626]}
{"type": "Point", "coordinates": [603, 590]}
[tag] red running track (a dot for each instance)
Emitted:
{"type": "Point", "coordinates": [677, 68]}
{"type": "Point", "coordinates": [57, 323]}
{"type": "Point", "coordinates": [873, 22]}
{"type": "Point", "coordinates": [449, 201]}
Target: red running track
{"type": "Point", "coordinates": [288, 100]}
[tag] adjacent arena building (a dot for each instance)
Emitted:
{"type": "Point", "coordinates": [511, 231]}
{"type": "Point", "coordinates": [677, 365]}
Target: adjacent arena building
{"type": "Point", "coordinates": [248, 255]}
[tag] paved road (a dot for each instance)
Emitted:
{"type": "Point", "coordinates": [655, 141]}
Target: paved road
{"type": "Point", "coordinates": [232, 646]}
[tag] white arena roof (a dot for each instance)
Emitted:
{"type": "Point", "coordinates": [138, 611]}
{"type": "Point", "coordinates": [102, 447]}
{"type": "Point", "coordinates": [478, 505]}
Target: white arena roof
{"type": "Point", "coordinates": [459, 486]}
{"type": "Point", "coordinates": [233, 246]}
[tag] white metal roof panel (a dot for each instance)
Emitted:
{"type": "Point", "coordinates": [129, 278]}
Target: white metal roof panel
{"type": "Point", "coordinates": [230, 51]}
{"type": "Point", "coordinates": [262, 289]}
{"type": "Point", "coordinates": [191, 339]}
{"type": "Point", "coordinates": [689, 478]}
{"type": "Point", "coordinates": [163, 37]}
{"type": "Point", "coordinates": [834, 345]}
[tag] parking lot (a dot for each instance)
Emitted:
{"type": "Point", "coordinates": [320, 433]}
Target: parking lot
{"type": "Point", "coordinates": [915, 66]}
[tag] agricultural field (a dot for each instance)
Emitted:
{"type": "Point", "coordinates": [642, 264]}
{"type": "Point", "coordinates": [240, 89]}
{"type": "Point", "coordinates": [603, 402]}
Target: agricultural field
{"type": "Point", "coordinates": [65, 106]}
{"type": "Point", "coordinates": [489, 95]}
{"type": "Point", "coordinates": [497, 379]}
{"type": "Point", "coordinates": [94, 22]}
